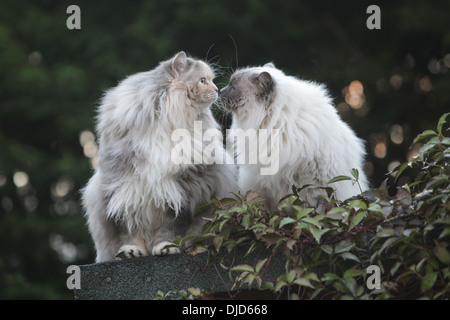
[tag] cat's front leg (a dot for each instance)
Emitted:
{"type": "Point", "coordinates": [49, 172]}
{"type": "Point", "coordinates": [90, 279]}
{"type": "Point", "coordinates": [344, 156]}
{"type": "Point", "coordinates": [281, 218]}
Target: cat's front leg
{"type": "Point", "coordinates": [135, 250]}
{"type": "Point", "coordinates": [165, 247]}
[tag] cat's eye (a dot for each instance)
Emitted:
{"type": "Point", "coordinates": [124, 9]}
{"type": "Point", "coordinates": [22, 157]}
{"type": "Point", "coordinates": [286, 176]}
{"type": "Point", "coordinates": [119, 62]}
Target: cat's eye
{"type": "Point", "coordinates": [203, 80]}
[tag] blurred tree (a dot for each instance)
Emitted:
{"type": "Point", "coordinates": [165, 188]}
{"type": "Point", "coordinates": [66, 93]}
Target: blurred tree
{"type": "Point", "coordinates": [388, 84]}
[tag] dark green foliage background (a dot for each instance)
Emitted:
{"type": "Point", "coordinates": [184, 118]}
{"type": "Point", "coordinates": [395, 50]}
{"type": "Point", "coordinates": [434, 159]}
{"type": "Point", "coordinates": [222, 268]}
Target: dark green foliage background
{"type": "Point", "coordinates": [45, 104]}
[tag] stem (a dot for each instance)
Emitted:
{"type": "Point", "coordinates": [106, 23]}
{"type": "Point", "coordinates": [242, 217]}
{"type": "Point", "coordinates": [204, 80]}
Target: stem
{"type": "Point", "coordinates": [270, 259]}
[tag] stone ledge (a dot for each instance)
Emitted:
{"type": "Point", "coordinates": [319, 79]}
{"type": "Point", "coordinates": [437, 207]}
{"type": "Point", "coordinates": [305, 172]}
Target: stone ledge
{"type": "Point", "coordinates": [142, 278]}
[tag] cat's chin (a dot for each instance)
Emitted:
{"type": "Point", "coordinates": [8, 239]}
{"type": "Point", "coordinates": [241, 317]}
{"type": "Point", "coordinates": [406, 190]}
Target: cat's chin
{"type": "Point", "coordinates": [202, 105]}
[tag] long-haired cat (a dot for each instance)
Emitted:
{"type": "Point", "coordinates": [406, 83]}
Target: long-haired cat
{"type": "Point", "coordinates": [314, 144]}
{"type": "Point", "coordinates": [139, 199]}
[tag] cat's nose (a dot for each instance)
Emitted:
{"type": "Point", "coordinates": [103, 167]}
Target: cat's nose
{"type": "Point", "coordinates": [215, 88]}
{"type": "Point", "coordinates": [223, 89]}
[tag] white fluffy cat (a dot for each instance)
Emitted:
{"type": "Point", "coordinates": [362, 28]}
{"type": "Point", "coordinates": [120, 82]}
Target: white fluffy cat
{"type": "Point", "coordinates": [138, 199]}
{"type": "Point", "coordinates": [315, 145]}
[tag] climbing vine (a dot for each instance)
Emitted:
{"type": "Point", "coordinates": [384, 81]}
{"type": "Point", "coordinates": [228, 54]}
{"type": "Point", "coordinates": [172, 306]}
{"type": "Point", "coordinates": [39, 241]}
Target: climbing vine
{"type": "Point", "coordinates": [327, 251]}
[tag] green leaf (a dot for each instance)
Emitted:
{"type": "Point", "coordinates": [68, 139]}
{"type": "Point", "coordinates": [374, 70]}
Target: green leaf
{"type": "Point", "coordinates": [197, 249]}
{"type": "Point", "coordinates": [238, 209]}
{"type": "Point", "coordinates": [357, 204]}
{"type": "Point", "coordinates": [441, 252]}
{"type": "Point", "coordinates": [375, 207]}
{"type": "Point", "coordinates": [303, 282]}
{"type": "Point", "coordinates": [428, 281]}
{"type": "Point", "coordinates": [446, 141]}
{"type": "Point", "coordinates": [316, 233]}
{"type": "Point", "coordinates": [246, 221]}
{"type": "Point", "coordinates": [355, 173]}
{"type": "Point", "coordinates": [312, 221]}
{"type": "Point", "coordinates": [401, 169]}
{"type": "Point", "coordinates": [286, 221]}
{"type": "Point", "coordinates": [358, 218]}
{"type": "Point", "coordinates": [423, 135]}
{"type": "Point", "coordinates": [203, 208]}
{"type": "Point", "coordinates": [344, 246]}
{"type": "Point", "coordinates": [205, 236]}
{"type": "Point", "coordinates": [301, 212]}
{"type": "Point", "coordinates": [290, 243]}
{"type": "Point", "coordinates": [351, 273]}
{"type": "Point", "coordinates": [350, 283]}
{"type": "Point", "coordinates": [290, 276]}
{"type": "Point", "coordinates": [330, 277]}
{"type": "Point", "coordinates": [445, 233]}
{"type": "Point", "coordinates": [222, 224]}
{"type": "Point", "coordinates": [194, 291]}
{"type": "Point", "coordinates": [340, 287]}
{"type": "Point", "coordinates": [385, 232]}
{"type": "Point", "coordinates": [327, 249]}
{"type": "Point", "coordinates": [388, 243]}
{"type": "Point", "coordinates": [183, 240]}
{"type": "Point", "coordinates": [336, 213]}
{"type": "Point", "coordinates": [271, 238]}
{"type": "Point", "coordinates": [349, 255]}
{"type": "Point", "coordinates": [339, 178]}
{"type": "Point", "coordinates": [446, 273]}
{"type": "Point", "coordinates": [395, 268]}
{"type": "Point", "coordinates": [217, 241]}
{"type": "Point", "coordinates": [242, 268]}
{"type": "Point", "coordinates": [272, 220]}
{"type": "Point", "coordinates": [279, 285]}
{"type": "Point", "coordinates": [316, 293]}
{"type": "Point", "coordinates": [312, 276]}
{"type": "Point", "coordinates": [267, 285]}
{"type": "Point", "coordinates": [441, 122]}
{"type": "Point", "coordinates": [260, 264]}
{"type": "Point", "coordinates": [258, 226]}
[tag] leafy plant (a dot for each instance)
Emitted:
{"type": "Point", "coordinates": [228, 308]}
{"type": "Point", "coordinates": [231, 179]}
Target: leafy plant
{"type": "Point", "coordinates": [327, 252]}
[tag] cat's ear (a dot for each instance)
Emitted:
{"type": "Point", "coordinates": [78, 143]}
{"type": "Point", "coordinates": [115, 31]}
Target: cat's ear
{"type": "Point", "coordinates": [179, 63]}
{"type": "Point", "coordinates": [269, 65]}
{"type": "Point", "coordinates": [265, 80]}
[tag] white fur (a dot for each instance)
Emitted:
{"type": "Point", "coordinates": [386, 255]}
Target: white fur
{"type": "Point", "coordinates": [136, 192]}
{"type": "Point", "coordinates": [315, 144]}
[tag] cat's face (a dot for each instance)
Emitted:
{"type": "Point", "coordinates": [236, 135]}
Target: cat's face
{"type": "Point", "coordinates": [247, 87]}
{"type": "Point", "coordinates": [197, 77]}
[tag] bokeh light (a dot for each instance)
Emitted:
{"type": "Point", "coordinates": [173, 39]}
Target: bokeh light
{"type": "Point", "coordinates": [354, 94]}
{"type": "Point", "coordinates": [90, 147]}
{"type": "Point", "coordinates": [20, 179]}
{"type": "Point", "coordinates": [380, 150]}
{"type": "Point", "coordinates": [3, 179]}
{"type": "Point", "coordinates": [425, 84]}
{"type": "Point", "coordinates": [396, 81]}
{"type": "Point", "coordinates": [396, 134]}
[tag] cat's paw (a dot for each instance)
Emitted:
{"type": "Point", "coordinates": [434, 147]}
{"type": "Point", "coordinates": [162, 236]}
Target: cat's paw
{"type": "Point", "coordinates": [163, 248]}
{"type": "Point", "coordinates": [129, 251]}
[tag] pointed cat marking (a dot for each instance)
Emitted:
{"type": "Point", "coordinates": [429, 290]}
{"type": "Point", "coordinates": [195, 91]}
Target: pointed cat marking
{"type": "Point", "coordinates": [315, 145]}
